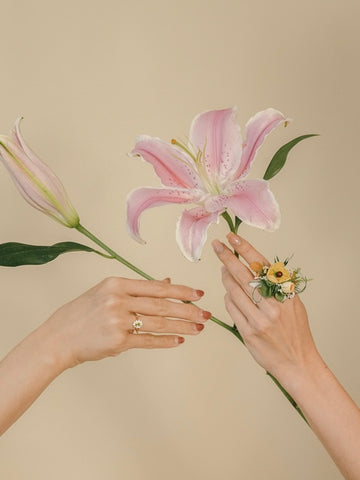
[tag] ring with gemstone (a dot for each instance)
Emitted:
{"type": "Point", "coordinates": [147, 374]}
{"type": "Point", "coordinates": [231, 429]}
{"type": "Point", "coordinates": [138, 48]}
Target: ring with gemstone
{"type": "Point", "coordinates": [276, 280]}
{"type": "Point", "coordinates": [137, 324]}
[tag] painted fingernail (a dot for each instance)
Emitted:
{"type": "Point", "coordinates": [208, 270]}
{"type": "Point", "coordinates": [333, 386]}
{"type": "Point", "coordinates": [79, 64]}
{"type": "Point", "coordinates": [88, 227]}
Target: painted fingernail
{"type": "Point", "coordinates": [199, 293]}
{"type": "Point", "coordinates": [180, 339]}
{"type": "Point", "coordinates": [234, 239]}
{"type": "Point", "coordinates": [218, 246]}
{"type": "Point", "coordinates": [206, 315]}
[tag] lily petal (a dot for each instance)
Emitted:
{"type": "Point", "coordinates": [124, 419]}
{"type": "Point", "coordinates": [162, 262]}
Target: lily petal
{"type": "Point", "coordinates": [191, 231]}
{"type": "Point", "coordinates": [256, 130]}
{"type": "Point", "coordinates": [143, 198]}
{"type": "Point", "coordinates": [217, 132]}
{"type": "Point", "coordinates": [254, 203]}
{"type": "Point", "coordinates": [171, 164]}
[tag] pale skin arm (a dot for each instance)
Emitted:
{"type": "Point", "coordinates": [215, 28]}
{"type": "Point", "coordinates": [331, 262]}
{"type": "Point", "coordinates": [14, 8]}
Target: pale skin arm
{"type": "Point", "coordinates": [95, 325]}
{"type": "Point", "coordinates": [278, 336]}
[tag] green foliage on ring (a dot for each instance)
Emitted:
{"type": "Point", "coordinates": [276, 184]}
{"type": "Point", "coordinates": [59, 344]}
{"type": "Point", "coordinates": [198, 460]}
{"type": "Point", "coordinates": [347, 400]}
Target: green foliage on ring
{"type": "Point", "coordinates": [14, 254]}
{"type": "Point", "coordinates": [280, 157]}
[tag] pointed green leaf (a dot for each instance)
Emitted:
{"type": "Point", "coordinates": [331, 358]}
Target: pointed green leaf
{"type": "Point", "coordinates": [13, 254]}
{"type": "Point", "coordinates": [279, 159]}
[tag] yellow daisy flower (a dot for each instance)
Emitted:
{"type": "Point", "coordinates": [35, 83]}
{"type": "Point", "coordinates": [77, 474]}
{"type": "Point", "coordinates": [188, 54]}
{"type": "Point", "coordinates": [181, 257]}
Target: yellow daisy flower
{"type": "Point", "coordinates": [277, 273]}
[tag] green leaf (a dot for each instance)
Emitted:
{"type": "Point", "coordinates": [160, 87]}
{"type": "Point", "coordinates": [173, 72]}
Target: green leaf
{"type": "Point", "coordinates": [280, 297]}
{"type": "Point", "coordinates": [13, 254]}
{"type": "Point", "coordinates": [279, 159]}
{"type": "Point", "coordinates": [265, 290]}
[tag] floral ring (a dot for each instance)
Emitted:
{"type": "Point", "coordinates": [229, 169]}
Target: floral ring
{"type": "Point", "coordinates": [137, 324]}
{"type": "Point", "coordinates": [276, 280]}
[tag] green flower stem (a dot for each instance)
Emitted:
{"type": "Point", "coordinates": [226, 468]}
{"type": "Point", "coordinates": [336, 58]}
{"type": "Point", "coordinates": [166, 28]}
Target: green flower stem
{"type": "Point", "coordinates": [111, 252]}
{"type": "Point", "coordinates": [232, 329]}
{"type": "Point", "coordinates": [288, 396]}
{"type": "Point", "coordinates": [115, 256]}
{"type": "Point", "coordinates": [227, 217]}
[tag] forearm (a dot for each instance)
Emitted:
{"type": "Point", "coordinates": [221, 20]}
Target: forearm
{"type": "Point", "coordinates": [25, 372]}
{"type": "Point", "coordinates": [331, 413]}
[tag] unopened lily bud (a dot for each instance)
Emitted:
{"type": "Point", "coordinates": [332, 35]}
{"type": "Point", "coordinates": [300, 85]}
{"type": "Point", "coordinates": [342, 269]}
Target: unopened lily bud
{"type": "Point", "coordinates": [35, 181]}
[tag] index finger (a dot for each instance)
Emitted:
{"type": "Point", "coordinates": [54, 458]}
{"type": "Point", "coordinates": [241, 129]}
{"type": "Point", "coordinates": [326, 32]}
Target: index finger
{"type": "Point", "coordinates": [246, 250]}
{"type": "Point", "coordinates": [161, 289]}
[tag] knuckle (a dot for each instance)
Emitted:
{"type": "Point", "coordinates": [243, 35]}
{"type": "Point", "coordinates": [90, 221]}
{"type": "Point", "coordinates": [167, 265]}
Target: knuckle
{"type": "Point", "coordinates": [111, 284]}
{"type": "Point", "coordinates": [234, 291]}
{"type": "Point", "coordinates": [191, 311]}
{"type": "Point", "coordinates": [246, 247]}
{"type": "Point", "coordinates": [160, 307]}
{"type": "Point", "coordinates": [274, 312]}
{"type": "Point", "coordinates": [158, 288]}
{"type": "Point", "coordinates": [110, 301]}
{"type": "Point", "coordinates": [263, 330]}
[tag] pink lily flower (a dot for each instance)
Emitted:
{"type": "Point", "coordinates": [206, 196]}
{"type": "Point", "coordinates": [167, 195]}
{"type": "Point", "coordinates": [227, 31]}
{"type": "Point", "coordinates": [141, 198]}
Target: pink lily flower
{"type": "Point", "coordinates": [35, 181]}
{"type": "Point", "coordinates": [209, 170]}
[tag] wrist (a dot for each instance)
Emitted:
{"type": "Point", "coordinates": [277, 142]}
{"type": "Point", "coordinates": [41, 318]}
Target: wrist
{"type": "Point", "coordinates": [297, 377]}
{"type": "Point", "coordinates": [49, 348]}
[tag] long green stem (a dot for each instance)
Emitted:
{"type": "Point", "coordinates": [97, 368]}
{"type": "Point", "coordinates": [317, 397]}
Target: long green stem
{"type": "Point", "coordinates": [112, 253]}
{"type": "Point", "coordinates": [232, 329]}
{"type": "Point", "coordinates": [140, 272]}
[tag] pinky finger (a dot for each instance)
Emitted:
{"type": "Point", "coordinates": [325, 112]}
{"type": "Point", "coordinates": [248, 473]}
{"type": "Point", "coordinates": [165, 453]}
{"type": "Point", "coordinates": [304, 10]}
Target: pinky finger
{"type": "Point", "coordinates": [147, 340]}
{"type": "Point", "coordinates": [238, 317]}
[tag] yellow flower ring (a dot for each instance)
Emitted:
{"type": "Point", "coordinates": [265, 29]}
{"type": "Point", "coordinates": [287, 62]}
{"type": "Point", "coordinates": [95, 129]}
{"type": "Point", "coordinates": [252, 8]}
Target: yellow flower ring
{"type": "Point", "coordinates": [276, 281]}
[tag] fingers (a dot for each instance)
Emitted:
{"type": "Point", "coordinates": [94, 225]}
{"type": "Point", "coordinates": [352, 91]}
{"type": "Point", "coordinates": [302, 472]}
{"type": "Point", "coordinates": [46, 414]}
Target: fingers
{"type": "Point", "coordinates": [155, 324]}
{"type": "Point", "coordinates": [240, 299]}
{"type": "Point", "coordinates": [165, 308]}
{"type": "Point", "coordinates": [246, 250]}
{"type": "Point", "coordinates": [237, 269]}
{"type": "Point", "coordinates": [155, 288]}
{"type": "Point", "coordinates": [146, 340]}
{"type": "Point", "coordinates": [239, 318]}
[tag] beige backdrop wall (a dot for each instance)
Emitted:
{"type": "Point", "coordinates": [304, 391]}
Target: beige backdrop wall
{"type": "Point", "coordinates": [89, 76]}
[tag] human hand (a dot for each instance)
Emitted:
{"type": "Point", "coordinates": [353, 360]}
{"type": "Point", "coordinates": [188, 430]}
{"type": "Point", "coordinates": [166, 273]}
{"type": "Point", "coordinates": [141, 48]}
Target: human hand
{"type": "Point", "coordinates": [99, 322]}
{"type": "Point", "coordinates": [277, 334]}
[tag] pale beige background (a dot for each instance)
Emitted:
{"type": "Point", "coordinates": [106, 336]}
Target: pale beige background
{"type": "Point", "coordinates": [88, 76]}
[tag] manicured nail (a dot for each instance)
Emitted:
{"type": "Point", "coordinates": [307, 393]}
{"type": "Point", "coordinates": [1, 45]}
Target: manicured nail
{"type": "Point", "coordinates": [206, 315]}
{"type": "Point", "coordinates": [180, 339]}
{"type": "Point", "coordinates": [199, 293]}
{"type": "Point", "coordinates": [199, 327]}
{"type": "Point", "coordinates": [233, 239]}
{"type": "Point", "coordinates": [218, 246]}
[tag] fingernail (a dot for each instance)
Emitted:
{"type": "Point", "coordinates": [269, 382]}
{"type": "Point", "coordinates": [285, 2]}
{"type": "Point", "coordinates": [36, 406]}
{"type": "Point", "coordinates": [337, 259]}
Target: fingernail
{"type": "Point", "coordinates": [218, 246]}
{"type": "Point", "coordinates": [167, 280]}
{"type": "Point", "coordinates": [199, 293]}
{"type": "Point", "coordinates": [206, 315]}
{"type": "Point", "coordinates": [234, 239]}
{"type": "Point", "coordinates": [199, 327]}
{"type": "Point", "coordinates": [180, 340]}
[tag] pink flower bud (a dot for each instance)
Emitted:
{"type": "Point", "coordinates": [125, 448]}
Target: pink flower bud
{"type": "Point", "coordinates": [35, 181]}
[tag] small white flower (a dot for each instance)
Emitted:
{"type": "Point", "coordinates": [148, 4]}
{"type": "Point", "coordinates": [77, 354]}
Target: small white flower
{"type": "Point", "coordinates": [288, 288]}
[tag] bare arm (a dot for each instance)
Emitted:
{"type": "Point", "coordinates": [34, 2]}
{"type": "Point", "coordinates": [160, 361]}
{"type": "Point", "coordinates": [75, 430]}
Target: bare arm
{"type": "Point", "coordinates": [278, 336]}
{"type": "Point", "coordinates": [96, 325]}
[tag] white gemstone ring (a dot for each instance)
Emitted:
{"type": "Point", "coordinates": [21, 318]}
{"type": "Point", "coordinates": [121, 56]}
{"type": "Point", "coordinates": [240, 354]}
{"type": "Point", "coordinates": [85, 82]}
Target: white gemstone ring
{"type": "Point", "coordinates": [137, 324]}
